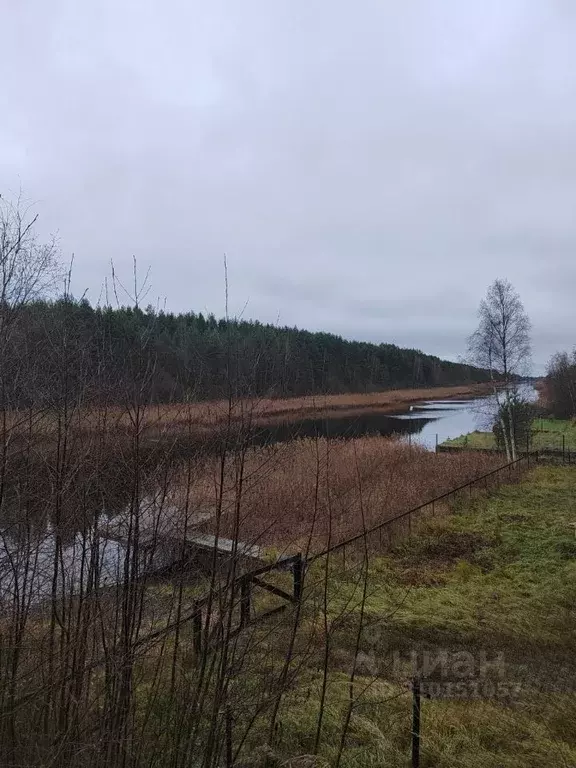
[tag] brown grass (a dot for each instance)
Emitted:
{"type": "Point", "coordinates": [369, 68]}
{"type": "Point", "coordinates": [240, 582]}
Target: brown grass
{"type": "Point", "coordinates": [290, 494]}
{"type": "Point", "coordinates": [319, 489]}
{"type": "Point", "coordinates": [386, 402]}
{"type": "Point", "coordinates": [203, 417]}
{"type": "Point", "coordinates": [85, 679]}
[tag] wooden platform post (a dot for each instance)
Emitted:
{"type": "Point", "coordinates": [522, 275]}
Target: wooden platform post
{"type": "Point", "coordinates": [197, 629]}
{"type": "Point", "coordinates": [298, 574]}
{"type": "Point", "coordinates": [416, 723]}
{"type": "Point", "coordinates": [245, 602]}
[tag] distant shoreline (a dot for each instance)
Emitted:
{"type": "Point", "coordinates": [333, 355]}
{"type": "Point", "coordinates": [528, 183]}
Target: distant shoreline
{"type": "Point", "coordinates": [205, 419]}
{"type": "Point", "coordinates": [390, 401]}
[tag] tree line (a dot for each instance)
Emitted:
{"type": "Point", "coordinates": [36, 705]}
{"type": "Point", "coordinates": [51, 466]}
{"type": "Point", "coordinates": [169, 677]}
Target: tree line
{"type": "Point", "coordinates": [193, 356]}
{"type": "Point", "coordinates": [560, 385]}
{"type": "Point", "coordinates": [64, 344]}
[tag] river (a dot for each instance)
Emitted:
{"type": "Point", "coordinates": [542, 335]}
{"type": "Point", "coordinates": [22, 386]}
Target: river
{"type": "Point", "coordinates": [427, 423]}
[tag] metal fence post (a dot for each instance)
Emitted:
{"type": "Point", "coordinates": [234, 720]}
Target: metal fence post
{"type": "Point", "coordinates": [197, 629]}
{"type": "Point", "coordinates": [229, 750]}
{"type": "Point", "coordinates": [563, 448]}
{"type": "Point", "coordinates": [415, 723]}
{"type": "Point", "coordinates": [244, 602]}
{"type": "Point", "coordinates": [298, 573]}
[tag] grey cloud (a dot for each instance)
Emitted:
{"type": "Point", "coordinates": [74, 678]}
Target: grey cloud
{"type": "Point", "coordinates": [368, 168]}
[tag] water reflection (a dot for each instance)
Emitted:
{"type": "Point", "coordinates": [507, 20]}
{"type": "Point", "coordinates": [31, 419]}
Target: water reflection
{"type": "Point", "coordinates": [33, 566]}
{"type": "Point", "coordinates": [422, 422]}
{"type": "Point", "coordinates": [427, 423]}
{"type": "Point", "coordinates": [346, 427]}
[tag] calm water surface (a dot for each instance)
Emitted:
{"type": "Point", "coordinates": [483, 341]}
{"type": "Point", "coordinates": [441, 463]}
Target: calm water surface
{"type": "Point", "coordinates": [425, 423]}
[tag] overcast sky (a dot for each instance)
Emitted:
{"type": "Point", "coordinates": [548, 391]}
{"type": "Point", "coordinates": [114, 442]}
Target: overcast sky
{"type": "Point", "coordinates": [368, 167]}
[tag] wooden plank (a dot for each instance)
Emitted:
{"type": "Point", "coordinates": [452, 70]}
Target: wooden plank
{"type": "Point", "coordinates": [275, 590]}
{"type": "Point", "coordinates": [271, 612]}
{"type": "Point", "coordinates": [226, 546]}
{"type": "Point", "coordinates": [148, 539]}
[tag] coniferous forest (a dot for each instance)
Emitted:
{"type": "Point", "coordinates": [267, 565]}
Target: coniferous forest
{"type": "Point", "coordinates": [195, 357]}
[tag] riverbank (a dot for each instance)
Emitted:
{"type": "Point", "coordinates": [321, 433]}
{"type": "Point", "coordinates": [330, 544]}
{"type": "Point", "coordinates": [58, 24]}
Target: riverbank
{"type": "Point", "coordinates": [262, 412]}
{"type": "Point", "coordinates": [205, 419]}
{"type": "Point", "coordinates": [482, 601]}
{"type": "Point", "coordinates": [547, 434]}
{"type": "Point", "coordinates": [390, 401]}
{"type": "Point", "coordinates": [296, 682]}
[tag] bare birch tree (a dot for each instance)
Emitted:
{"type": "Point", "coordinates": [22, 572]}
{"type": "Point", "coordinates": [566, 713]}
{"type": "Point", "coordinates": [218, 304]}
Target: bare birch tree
{"type": "Point", "coordinates": [28, 268]}
{"type": "Point", "coordinates": [501, 344]}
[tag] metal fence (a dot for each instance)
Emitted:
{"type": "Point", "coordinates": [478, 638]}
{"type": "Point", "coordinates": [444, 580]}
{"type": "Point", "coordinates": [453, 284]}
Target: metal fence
{"type": "Point", "coordinates": [378, 538]}
{"type": "Point", "coordinates": [547, 444]}
{"type": "Point", "coordinates": [553, 445]}
{"type": "Point", "coordinates": [382, 536]}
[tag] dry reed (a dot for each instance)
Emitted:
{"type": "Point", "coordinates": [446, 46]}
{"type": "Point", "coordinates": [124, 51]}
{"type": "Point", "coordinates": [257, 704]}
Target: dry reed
{"type": "Point", "coordinates": [285, 496]}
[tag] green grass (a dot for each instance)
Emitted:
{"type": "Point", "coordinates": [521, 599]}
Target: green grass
{"type": "Point", "coordinates": [546, 433]}
{"type": "Point", "coordinates": [496, 577]}
{"type": "Point", "coordinates": [473, 440]}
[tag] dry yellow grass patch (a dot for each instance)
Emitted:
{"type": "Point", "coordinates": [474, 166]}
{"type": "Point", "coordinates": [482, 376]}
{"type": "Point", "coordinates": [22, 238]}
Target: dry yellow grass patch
{"type": "Point", "coordinates": [317, 490]}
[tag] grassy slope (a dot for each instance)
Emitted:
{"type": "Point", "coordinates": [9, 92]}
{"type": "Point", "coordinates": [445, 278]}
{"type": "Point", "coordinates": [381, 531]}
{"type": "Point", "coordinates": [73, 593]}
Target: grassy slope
{"type": "Point", "coordinates": [497, 576]}
{"type": "Point", "coordinates": [547, 433]}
